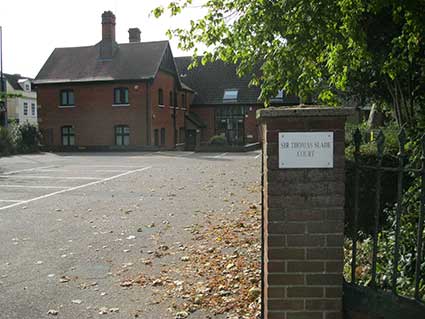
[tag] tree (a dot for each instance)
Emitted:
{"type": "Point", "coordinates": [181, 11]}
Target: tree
{"type": "Point", "coordinates": [331, 49]}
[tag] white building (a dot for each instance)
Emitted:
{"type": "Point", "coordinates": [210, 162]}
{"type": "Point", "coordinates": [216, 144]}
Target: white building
{"type": "Point", "coordinates": [24, 107]}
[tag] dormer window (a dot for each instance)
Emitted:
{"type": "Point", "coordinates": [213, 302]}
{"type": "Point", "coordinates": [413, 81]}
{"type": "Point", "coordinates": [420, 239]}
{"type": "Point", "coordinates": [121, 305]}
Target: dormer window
{"type": "Point", "coordinates": [27, 87]}
{"type": "Point", "coordinates": [121, 96]}
{"type": "Point", "coordinates": [230, 95]}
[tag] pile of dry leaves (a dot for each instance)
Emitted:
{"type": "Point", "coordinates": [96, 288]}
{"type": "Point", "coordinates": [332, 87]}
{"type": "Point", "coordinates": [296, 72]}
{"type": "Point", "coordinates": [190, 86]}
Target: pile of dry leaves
{"type": "Point", "coordinates": [219, 273]}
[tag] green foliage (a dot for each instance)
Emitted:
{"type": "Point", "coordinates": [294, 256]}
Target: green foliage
{"type": "Point", "coordinates": [23, 138]}
{"type": "Point", "coordinates": [385, 256]}
{"type": "Point", "coordinates": [27, 138]}
{"type": "Point", "coordinates": [218, 140]}
{"type": "Point", "coordinates": [371, 50]}
{"type": "Point", "coordinates": [7, 146]}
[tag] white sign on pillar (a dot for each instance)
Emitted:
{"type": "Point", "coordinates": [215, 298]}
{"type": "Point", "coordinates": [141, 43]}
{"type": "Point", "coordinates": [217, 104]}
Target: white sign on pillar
{"type": "Point", "coordinates": [306, 150]}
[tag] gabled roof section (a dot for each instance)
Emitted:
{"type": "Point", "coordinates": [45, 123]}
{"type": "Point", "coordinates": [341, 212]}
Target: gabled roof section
{"type": "Point", "coordinates": [132, 61]}
{"type": "Point", "coordinates": [212, 80]}
{"type": "Point", "coordinates": [13, 80]}
{"type": "Point", "coordinates": [168, 64]}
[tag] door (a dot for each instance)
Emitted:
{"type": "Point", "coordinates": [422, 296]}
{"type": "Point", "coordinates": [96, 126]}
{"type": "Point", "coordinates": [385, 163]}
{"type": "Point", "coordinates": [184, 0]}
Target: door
{"type": "Point", "coordinates": [190, 140]}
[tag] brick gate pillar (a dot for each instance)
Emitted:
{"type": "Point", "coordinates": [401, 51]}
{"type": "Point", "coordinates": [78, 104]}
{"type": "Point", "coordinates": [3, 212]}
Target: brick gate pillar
{"type": "Point", "coordinates": [303, 211]}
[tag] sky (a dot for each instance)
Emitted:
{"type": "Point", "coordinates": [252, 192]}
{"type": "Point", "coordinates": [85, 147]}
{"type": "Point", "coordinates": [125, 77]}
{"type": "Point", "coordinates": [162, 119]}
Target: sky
{"type": "Point", "coordinates": [33, 28]}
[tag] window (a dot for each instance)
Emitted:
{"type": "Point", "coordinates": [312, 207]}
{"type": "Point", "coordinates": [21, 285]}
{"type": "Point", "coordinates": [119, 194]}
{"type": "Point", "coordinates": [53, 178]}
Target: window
{"type": "Point", "coordinates": [67, 98]}
{"type": "Point", "coordinates": [122, 135]}
{"type": "Point", "coordinates": [176, 100]}
{"type": "Point", "coordinates": [33, 109]}
{"type": "Point", "coordinates": [171, 98]}
{"type": "Point", "coordinates": [156, 137]}
{"type": "Point", "coordinates": [230, 95]}
{"type": "Point", "coordinates": [160, 97]}
{"type": "Point", "coordinates": [163, 136]}
{"type": "Point", "coordinates": [184, 101]}
{"type": "Point", "coordinates": [68, 135]}
{"type": "Point", "coordinates": [27, 87]}
{"type": "Point", "coordinates": [25, 108]}
{"type": "Point", "coordinates": [120, 96]}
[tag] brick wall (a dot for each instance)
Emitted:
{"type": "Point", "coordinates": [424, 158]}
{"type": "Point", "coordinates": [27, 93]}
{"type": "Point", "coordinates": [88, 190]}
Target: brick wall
{"type": "Point", "coordinates": [251, 126]}
{"type": "Point", "coordinates": [162, 116]}
{"type": "Point", "coordinates": [94, 117]}
{"type": "Point", "coordinates": [303, 221]}
{"type": "Point", "coordinates": [207, 115]}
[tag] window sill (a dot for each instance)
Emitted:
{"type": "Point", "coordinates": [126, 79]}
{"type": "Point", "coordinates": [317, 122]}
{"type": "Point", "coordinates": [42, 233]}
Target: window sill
{"type": "Point", "coordinates": [119, 105]}
{"type": "Point", "coordinates": [161, 106]}
{"type": "Point", "coordinates": [66, 106]}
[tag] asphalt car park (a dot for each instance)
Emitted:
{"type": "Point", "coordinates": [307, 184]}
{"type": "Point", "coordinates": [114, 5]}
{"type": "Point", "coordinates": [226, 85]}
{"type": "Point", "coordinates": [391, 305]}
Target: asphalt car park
{"type": "Point", "coordinates": [77, 215]}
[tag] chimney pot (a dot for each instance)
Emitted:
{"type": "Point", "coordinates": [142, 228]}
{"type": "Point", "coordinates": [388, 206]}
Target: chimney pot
{"type": "Point", "coordinates": [134, 35]}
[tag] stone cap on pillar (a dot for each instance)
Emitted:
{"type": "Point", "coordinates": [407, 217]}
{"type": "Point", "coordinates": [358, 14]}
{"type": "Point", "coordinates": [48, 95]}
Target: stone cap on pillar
{"type": "Point", "coordinates": [304, 111]}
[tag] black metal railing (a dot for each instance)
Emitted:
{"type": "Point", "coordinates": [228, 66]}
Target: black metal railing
{"type": "Point", "coordinates": [409, 175]}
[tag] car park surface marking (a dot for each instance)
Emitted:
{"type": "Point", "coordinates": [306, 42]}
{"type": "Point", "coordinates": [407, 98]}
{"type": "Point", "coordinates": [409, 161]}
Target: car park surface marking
{"type": "Point", "coordinates": [76, 187]}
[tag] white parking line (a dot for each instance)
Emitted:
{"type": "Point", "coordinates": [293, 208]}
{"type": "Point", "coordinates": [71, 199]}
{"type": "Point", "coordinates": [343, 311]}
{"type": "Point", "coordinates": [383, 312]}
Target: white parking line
{"type": "Point", "coordinates": [258, 155]}
{"type": "Point", "coordinates": [173, 154]}
{"type": "Point", "coordinates": [27, 170]}
{"type": "Point", "coordinates": [9, 201]}
{"type": "Point", "coordinates": [49, 177]}
{"type": "Point", "coordinates": [96, 165]}
{"type": "Point", "coordinates": [32, 186]}
{"type": "Point", "coordinates": [220, 155]}
{"type": "Point", "coordinates": [76, 187]}
{"type": "Point", "coordinates": [91, 170]}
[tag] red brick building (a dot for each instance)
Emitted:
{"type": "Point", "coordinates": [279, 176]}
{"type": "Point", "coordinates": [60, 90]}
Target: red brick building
{"type": "Point", "coordinates": [125, 95]}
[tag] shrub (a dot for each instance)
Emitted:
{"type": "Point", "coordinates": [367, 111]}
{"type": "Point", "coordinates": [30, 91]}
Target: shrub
{"type": "Point", "coordinates": [27, 138]}
{"type": "Point", "coordinates": [6, 142]}
{"type": "Point", "coordinates": [218, 140]}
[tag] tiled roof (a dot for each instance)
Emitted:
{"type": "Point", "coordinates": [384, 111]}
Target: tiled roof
{"type": "Point", "coordinates": [13, 80]}
{"type": "Point", "coordinates": [210, 81]}
{"type": "Point", "coordinates": [132, 61]}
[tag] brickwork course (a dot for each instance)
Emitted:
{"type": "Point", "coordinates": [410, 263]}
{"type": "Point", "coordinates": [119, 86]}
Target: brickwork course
{"type": "Point", "coordinates": [303, 220]}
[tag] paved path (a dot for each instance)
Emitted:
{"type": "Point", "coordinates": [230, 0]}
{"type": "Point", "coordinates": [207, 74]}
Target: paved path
{"type": "Point", "coordinates": [91, 219]}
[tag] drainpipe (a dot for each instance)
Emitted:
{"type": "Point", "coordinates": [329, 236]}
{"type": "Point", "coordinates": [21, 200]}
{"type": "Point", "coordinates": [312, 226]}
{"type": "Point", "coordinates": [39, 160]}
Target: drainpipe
{"type": "Point", "coordinates": [2, 81]}
{"type": "Point", "coordinates": [175, 118]}
{"type": "Point", "coordinates": [148, 115]}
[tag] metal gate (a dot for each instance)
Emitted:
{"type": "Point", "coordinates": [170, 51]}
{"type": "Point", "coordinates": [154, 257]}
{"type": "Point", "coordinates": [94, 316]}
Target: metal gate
{"type": "Point", "coordinates": [384, 247]}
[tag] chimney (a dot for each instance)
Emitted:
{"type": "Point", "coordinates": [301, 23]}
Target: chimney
{"type": "Point", "coordinates": [108, 44]}
{"type": "Point", "coordinates": [134, 35]}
